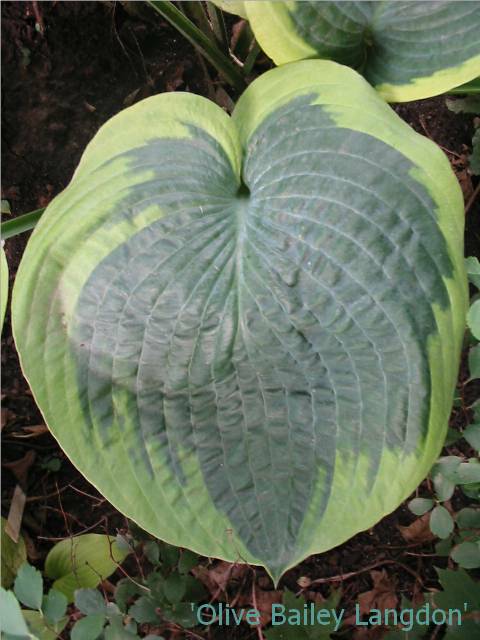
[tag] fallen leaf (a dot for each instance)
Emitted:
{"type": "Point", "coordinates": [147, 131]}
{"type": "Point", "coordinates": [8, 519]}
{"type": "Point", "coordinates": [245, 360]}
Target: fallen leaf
{"type": "Point", "coordinates": [237, 30]}
{"type": "Point", "coordinates": [223, 100]}
{"type": "Point", "coordinates": [418, 531]}
{"type": "Point", "coordinates": [217, 577]}
{"type": "Point", "coordinates": [32, 552]}
{"type": "Point", "coordinates": [304, 582]}
{"type": "Point", "coordinates": [382, 596]}
{"type": "Point", "coordinates": [20, 467]}
{"type": "Point", "coordinates": [6, 416]}
{"type": "Point", "coordinates": [466, 185]}
{"type": "Point", "coordinates": [174, 77]}
{"type": "Point", "coordinates": [130, 99]}
{"type": "Point", "coordinates": [264, 582]}
{"type": "Point", "coordinates": [418, 599]}
{"type": "Point", "coordinates": [43, 201]}
{"type": "Point", "coordinates": [460, 166]}
{"type": "Point", "coordinates": [15, 514]}
{"type": "Point", "coordinates": [372, 633]}
{"type": "Point", "coordinates": [263, 604]}
{"type": "Point", "coordinates": [32, 431]}
{"type": "Point", "coordinates": [315, 597]}
{"type": "Point", "coordinates": [11, 193]}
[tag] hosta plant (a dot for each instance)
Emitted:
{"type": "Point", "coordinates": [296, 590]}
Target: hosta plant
{"type": "Point", "coordinates": [245, 331]}
{"type": "Point", "coordinates": [407, 50]}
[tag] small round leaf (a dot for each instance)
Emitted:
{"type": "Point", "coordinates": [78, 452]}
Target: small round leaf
{"type": "Point", "coordinates": [152, 552]}
{"type": "Point", "coordinates": [144, 611]}
{"type": "Point", "coordinates": [467, 555]}
{"type": "Point", "coordinates": [419, 506]}
{"type": "Point", "coordinates": [11, 618]}
{"type": "Point", "coordinates": [472, 435]}
{"type": "Point", "coordinates": [468, 518]}
{"type": "Point", "coordinates": [174, 587]}
{"type": "Point", "coordinates": [474, 361]}
{"type": "Point", "coordinates": [473, 319]}
{"type": "Point", "coordinates": [472, 265]}
{"type": "Point", "coordinates": [88, 628]}
{"type": "Point", "coordinates": [468, 472]}
{"type": "Point", "coordinates": [54, 606]}
{"type": "Point", "coordinates": [90, 601]}
{"type": "Point", "coordinates": [28, 586]}
{"type": "Point", "coordinates": [441, 522]}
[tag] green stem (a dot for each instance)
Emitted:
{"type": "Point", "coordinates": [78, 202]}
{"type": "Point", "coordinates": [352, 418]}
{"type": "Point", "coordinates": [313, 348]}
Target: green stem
{"type": "Point", "coordinates": [251, 58]}
{"type": "Point", "coordinates": [218, 25]}
{"type": "Point", "coordinates": [196, 12]}
{"type": "Point", "coordinates": [199, 40]}
{"type": "Point", "coordinates": [472, 87]}
{"type": "Point", "coordinates": [21, 224]}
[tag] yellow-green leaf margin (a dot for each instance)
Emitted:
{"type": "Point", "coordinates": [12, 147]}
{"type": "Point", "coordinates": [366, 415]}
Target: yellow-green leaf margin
{"type": "Point", "coordinates": [406, 50]}
{"type": "Point", "coordinates": [169, 319]}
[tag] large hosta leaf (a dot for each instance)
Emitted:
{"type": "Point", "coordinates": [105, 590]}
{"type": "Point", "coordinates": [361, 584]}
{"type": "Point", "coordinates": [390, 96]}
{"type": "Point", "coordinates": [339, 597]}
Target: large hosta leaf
{"type": "Point", "coordinates": [407, 50]}
{"type": "Point", "coordinates": [245, 331]}
{"type": "Point", "coordinates": [3, 286]}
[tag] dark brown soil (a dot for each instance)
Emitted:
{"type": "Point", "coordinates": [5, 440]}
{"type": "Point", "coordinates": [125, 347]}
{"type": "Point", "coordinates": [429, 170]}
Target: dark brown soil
{"type": "Point", "coordinates": [88, 61]}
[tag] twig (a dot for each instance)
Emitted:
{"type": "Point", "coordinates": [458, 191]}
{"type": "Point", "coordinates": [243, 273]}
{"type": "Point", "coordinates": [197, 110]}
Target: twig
{"type": "Point", "coordinates": [137, 560]}
{"type": "Point", "coordinates": [344, 576]}
{"type": "Point", "coordinates": [49, 495]}
{"type": "Point", "coordinates": [472, 199]}
{"type": "Point", "coordinates": [218, 26]}
{"type": "Point", "coordinates": [211, 88]}
{"type": "Point", "coordinates": [239, 592]}
{"type": "Point", "coordinates": [254, 602]}
{"type": "Point", "coordinates": [38, 17]}
{"type": "Point", "coordinates": [73, 535]}
{"type": "Point", "coordinates": [83, 493]}
{"type": "Point", "coordinates": [402, 547]}
{"type": "Point", "coordinates": [119, 40]}
{"type": "Point", "coordinates": [173, 626]}
{"type": "Point", "coordinates": [219, 590]}
{"type": "Point", "coordinates": [62, 511]}
{"type": "Point", "coordinates": [121, 569]}
{"type": "Point", "coordinates": [452, 153]}
{"type": "Point", "coordinates": [47, 507]}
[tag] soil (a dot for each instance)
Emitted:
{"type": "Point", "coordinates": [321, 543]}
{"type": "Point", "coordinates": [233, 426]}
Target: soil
{"type": "Point", "coordinates": [67, 68]}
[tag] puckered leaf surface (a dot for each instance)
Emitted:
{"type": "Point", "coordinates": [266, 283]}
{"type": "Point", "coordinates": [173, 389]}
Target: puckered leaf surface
{"type": "Point", "coordinates": [245, 331]}
{"type": "Point", "coordinates": [407, 50]}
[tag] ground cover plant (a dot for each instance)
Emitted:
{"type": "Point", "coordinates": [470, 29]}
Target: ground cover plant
{"type": "Point", "coordinates": [400, 563]}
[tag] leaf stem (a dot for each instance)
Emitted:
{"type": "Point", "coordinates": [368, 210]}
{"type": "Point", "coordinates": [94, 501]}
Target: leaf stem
{"type": "Point", "coordinates": [469, 88]}
{"type": "Point", "coordinates": [251, 58]}
{"type": "Point", "coordinates": [218, 25]}
{"type": "Point", "coordinates": [199, 40]}
{"type": "Point", "coordinates": [20, 224]}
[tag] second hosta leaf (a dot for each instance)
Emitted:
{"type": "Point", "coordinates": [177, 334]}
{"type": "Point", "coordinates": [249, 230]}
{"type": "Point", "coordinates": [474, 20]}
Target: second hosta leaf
{"type": "Point", "coordinates": [246, 331]}
{"type": "Point", "coordinates": [406, 50]}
